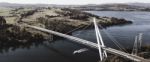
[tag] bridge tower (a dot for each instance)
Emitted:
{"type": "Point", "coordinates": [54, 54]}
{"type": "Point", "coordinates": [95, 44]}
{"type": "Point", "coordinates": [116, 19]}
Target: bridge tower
{"type": "Point", "coordinates": [102, 53]}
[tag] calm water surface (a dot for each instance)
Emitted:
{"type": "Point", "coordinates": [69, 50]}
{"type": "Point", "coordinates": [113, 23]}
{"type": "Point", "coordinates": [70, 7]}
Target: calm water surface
{"type": "Point", "coordinates": [62, 50]}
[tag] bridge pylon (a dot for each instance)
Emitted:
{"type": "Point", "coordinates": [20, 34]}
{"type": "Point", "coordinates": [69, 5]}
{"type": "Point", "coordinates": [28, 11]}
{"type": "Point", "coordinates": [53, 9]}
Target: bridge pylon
{"type": "Point", "coordinates": [102, 53]}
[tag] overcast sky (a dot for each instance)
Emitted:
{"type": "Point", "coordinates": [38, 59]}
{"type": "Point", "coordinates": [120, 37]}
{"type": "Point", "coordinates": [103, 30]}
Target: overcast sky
{"type": "Point", "coordinates": [73, 1]}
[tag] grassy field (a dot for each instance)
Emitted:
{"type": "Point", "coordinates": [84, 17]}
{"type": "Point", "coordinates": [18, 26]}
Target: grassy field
{"type": "Point", "coordinates": [5, 11]}
{"type": "Point", "coordinates": [11, 20]}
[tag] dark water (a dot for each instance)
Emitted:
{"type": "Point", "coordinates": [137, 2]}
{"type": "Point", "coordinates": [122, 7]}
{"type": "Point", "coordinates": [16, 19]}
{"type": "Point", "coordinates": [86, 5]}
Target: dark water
{"type": "Point", "coordinates": [125, 34]}
{"type": "Point", "coordinates": [62, 50]}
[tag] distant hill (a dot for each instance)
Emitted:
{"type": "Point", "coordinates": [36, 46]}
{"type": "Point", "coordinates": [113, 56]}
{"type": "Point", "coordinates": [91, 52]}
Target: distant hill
{"type": "Point", "coordinates": [140, 4]}
{"type": "Point", "coordinates": [15, 5]}
{"type": "Point", "coordinates": [5, 4]}
{"type": "Point", "coordinates": [117, 7]}
{"type": "Point", "coordinates": [100, 7]}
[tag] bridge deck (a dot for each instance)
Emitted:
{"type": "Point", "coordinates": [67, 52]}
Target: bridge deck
{"type": "Point", "coordinates": [91, 44]}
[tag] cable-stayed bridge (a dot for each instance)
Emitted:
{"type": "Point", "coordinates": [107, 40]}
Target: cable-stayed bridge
{"type": "Point", "coordinates": [103, 50]}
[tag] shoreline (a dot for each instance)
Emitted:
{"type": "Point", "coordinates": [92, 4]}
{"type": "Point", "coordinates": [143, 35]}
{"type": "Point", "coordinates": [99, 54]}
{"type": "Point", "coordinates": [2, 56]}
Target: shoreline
{"type": "Point", "coordinates": [61, 20]}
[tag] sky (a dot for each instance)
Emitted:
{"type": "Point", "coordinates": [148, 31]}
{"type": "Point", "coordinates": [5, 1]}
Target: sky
{"type": "Point", "coordinates": [72, 2]}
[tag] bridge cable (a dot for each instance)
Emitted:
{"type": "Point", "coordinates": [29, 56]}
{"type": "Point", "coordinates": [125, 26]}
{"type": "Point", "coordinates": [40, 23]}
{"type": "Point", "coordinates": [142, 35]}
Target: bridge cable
{"type": "Point", "coordinates": [74, 29]}
{"type": "Point", "coordinates": [83, 27]}
{"type": "Point", "coordinates": [114, 40]}
{"type": "Point", "coordinates": [140, 40]}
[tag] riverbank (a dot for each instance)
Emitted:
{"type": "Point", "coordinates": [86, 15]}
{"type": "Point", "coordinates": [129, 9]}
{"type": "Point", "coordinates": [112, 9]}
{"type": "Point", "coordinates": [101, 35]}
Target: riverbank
{"type": "Point", "coordinates": [61, 20]}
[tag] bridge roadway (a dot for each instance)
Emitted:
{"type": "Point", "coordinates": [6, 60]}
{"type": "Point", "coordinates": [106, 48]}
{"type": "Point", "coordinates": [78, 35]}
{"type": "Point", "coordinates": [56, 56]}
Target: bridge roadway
{"type": "Point", "coordinates": [91, 44]}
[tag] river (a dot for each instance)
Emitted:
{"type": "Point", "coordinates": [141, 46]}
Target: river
{"type": "Point", "coordinates": [62, 50]}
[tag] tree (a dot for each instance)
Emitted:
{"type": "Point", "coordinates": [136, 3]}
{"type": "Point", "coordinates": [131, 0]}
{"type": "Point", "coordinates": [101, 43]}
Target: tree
{"type": "Point", "coordinates": [2, 20]}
